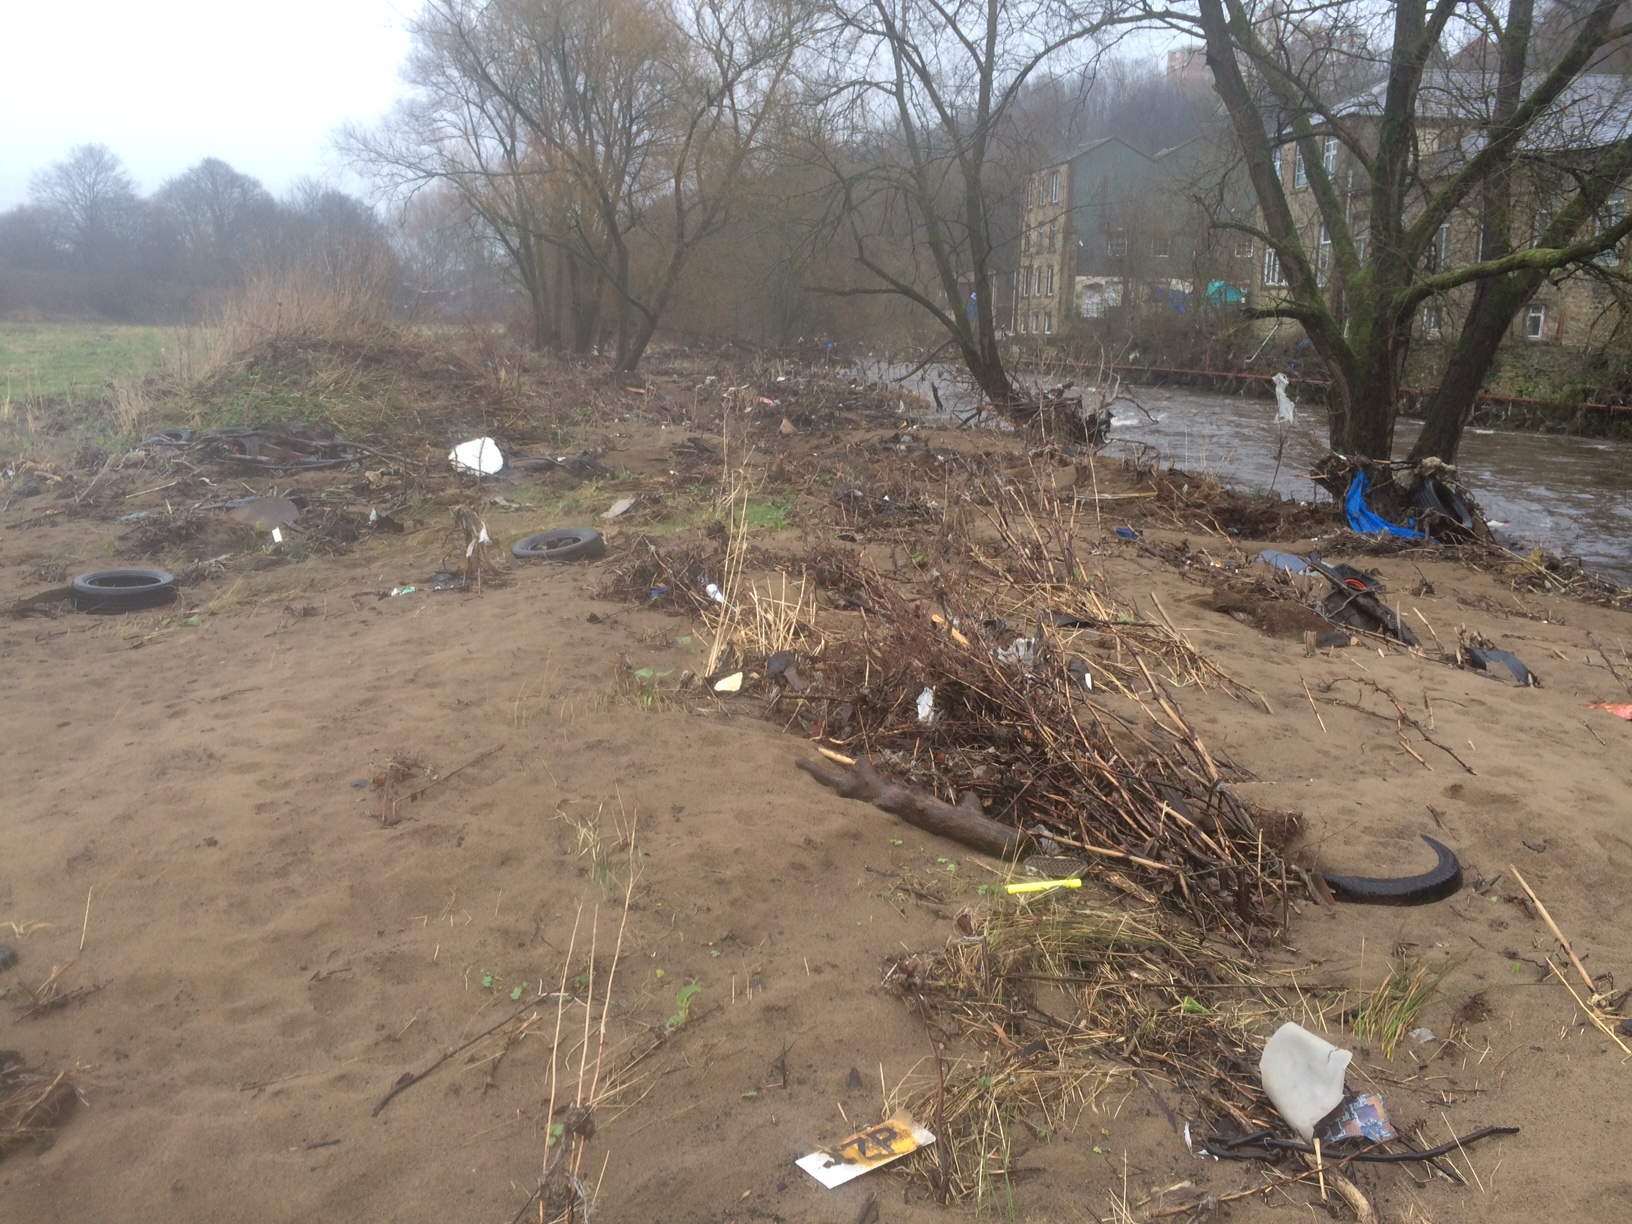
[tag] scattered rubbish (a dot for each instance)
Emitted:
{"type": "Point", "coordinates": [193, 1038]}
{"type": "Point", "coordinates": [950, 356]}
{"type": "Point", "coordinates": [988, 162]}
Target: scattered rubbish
{"type": "Point", "coordinates": [712, 590]}
{"type": "Point", "coordinates": [779, 663]}
{"type": "Point", "coordinates": [359, 784]}
{"type": "Point", "coordinates": [264, 513]}
{"type": "Point", "coordinates": [1303, 1077]}
{"type": "Point", "coordinates": [445, 580]}
{"type": "Point", "coordinates": [1364, 521]}
{"type": "Point", "coordinates": [1283, 403]}
{"type": "Point", "coordinates": [787, 429]}
{"type": "Point", "coordinates": [1443, 880]}
{"type": "Point", "coordinates": [729, 684]}
{"type": "Point", "coordinates": [1126, 533]}
{"type": "Point", "coordinates": [123, 590]}
{"type": "Point", "coordinates": [131, 518]}
{"type": "Point", "coordinates": [1364, 1116]}
{"type": "Point", "coordinates": [1285, 561]}
{"type": "Point", "coordinates": [1022, 652]}
{"type": "Point", "coordinates": [277, 535]}
{"type": "Point", "coordinates": [403, 590]}
{"type": "Point", "coordinates": [926, 705]}
{"type": "Point", "coordinates": [478, 457]}
{"type": "Point", "coordinates": [561, 544]}
{"type": "Point", "coordinates": [1480, 659]}
{"type": "Point", "coordinates": [1536, 847]}
{"type": "Point", "coordinates": [1422, 1036]}
{"type": "Point", "coordinates": [1036, 886]}
{"type": "Point", "coordinates": [866, 1150]}
{"type": "Point", "coordinates": [1078, 668]}
{"type": "Point", "coordinates": [1353, 602]}
{"type": "Point", "coordinates": [618, 507]}
{"type": "Point", "coordinates": [1620, 711]}
{"type": "Point", "coordinates": [8, 957]}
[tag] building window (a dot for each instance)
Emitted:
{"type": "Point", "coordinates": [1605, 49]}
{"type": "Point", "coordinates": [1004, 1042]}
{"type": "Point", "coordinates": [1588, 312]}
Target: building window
{"type": "Point", "coordinates": [1243, 247]}
{"type": "Point", "coordinates": [1054, 190]}
{"type": "Point", "coordinates": [1093, 303]}
{"type": "Point", "coordinates": [1117, 247]}
{"type": "Point", "coordinates": [1360, 248]}
{"type": "Point", "coordinates": [1162, 247]}
{"type": "Point", "coordinates": [1439, 256]}
{"type": "Point", "coordinates": [1614, 214]}
{"type": "Point", "coordinates": [1430, 321]}
{"type": "Point", "coordinates": [1048, 322]}
{"type": "Point", "coordinates": [1323, 256]}
{"type": "Point", "coordinates": [1300, 173]}
{"type": "Point", "coordinates": [1328, 156]}
{"type": "Point", "coordinates": [1050, 292]}
{"type": "Point", "coordinates": [1052, 236]}
{"type": "Point", "coordinates": [1272, 267]}
{"type": "Point", "coordinates": [1025, 242]}
{"type": "Point", "coordinates": [1030, 193]}
{"type": "Point", "coordinates": [1535, 322]}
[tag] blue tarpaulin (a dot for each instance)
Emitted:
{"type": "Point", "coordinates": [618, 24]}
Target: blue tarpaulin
{"type": "Point", "coordinates": [1363, 520]}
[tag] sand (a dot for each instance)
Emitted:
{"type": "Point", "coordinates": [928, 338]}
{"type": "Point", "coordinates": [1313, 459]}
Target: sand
{"type": "Point", "coordinates": [261, 957]}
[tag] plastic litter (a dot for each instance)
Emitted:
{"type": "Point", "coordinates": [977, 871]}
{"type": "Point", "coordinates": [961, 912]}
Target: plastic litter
{"type": "Point", "coordinates": [1482, 659]}
{"type": "Point", "coordinates": [403, 590]}
{"type": "Point", "coordinates": [1422, 1036]}
{"type": "Point", "coordinates": [1303, 1077]}
{"type": "Point", "coordinates": [1283, 402]}
{"type": "Point", "coordinates": [729, 684]}
{"type": "Point", "coordinates": [1620, 711]}
{"type": "Point", "coordinates": [713, 592]}
{"type": "Point", "coordinates": [1364, 520]}
{"type": "Point", "coordinates": [1126, 533]}
{"type": "Point", "coordinates": [479, 457]}
{"type": "Point", "coordinates": [1363, 1117]}
{"type": "Point", "coordinates": [1283, 560]}
{"type": "Point", "coordinates": [926, 705]}
{"type": "Point", "coordinates": [866, 1150]}
{"type": "Point", "coordinates": [618, 507]}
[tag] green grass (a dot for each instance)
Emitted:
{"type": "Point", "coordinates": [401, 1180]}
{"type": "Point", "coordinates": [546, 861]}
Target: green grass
{"type": "Point", "coordinates": [42, 360]}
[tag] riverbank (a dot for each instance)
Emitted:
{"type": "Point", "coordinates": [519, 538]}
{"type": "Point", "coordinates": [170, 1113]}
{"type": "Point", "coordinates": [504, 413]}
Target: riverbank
{"type": "Point", "coordinates": [254, 939]}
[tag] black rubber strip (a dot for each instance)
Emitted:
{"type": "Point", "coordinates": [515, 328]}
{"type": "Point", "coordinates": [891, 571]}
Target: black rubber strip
{"type": "Point", "coordinates": [1442, 881]}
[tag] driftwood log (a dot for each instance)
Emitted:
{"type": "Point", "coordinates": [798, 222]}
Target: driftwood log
{"type": "Point", "coordinates": [964, 823]}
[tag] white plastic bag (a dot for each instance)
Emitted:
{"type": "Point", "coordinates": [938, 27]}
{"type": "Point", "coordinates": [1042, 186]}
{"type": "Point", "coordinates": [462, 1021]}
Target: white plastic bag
{"type": "Point", "coordinates": [479, 457]}
{"type": "Point", "coordinates": [1303, 1077]}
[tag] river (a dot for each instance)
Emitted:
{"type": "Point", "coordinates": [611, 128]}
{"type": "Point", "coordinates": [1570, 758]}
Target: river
{"type": "Point", "coordinates": [1572, 496]}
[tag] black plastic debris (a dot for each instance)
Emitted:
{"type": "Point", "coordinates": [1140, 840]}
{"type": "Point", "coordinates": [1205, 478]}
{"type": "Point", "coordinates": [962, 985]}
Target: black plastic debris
{"type": "Point", "coordinates": [1480, 659]}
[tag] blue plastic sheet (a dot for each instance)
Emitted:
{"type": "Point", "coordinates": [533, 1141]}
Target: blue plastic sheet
{"type": "Point", "coordinates": [1364, 521]}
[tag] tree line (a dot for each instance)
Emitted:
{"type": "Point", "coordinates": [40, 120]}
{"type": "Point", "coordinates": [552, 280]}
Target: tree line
{"type": "Point", "coordinates": [87, 243]}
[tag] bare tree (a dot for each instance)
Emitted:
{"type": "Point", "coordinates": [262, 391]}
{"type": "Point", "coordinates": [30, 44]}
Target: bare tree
{"type": "Point", "coordinates": [92, 196]}
{"type": "Point", "coordinates": [591, 129]}
{"type": "Point", "coordinates": [931, 87]}
{"type": "Point", "coordinates": [219, 216]}
{"type": "Point", "coordinates": [1369, 133]}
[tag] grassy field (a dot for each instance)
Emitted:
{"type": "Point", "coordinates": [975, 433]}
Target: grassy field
{"type": "Point", "coordinates": [42, 360]}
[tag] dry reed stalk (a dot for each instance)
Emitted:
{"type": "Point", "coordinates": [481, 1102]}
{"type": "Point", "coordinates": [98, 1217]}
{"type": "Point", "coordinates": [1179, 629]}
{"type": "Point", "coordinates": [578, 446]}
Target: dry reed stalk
{"type": "Point", "coordinates": [1099, 993]}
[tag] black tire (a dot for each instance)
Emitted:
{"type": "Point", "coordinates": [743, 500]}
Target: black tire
{"type": "Point", "coordinates": [123, 590]}
{"type": "Point", "coordinates": [562, 544]}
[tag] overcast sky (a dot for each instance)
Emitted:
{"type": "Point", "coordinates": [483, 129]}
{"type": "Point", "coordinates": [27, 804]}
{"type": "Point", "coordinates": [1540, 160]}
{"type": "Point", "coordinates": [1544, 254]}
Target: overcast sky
{"type": "Point", "coordinates": [167, 83]}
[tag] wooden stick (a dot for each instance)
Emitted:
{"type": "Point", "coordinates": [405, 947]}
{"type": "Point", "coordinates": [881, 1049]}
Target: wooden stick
{"type": "Point", "coordinates": [965, 823]}
{"type": "Point", "coordinates": [1312, 706]}
{"type": "Point", "coordinates": [412, 795]}
{"type": "Point", "coordinates": [836, 756]}
{"type": "Point", "coordinates": [1592, 1012]}
{"type": "Point", "coordinates": [86, 926]}
{"type": "Point", "coordinates": [1320, 1169]}
{"type": "Point", "coordinates": [1553, 927]}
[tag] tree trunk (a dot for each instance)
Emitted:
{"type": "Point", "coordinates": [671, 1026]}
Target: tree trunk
{"type": "Point", "coordinates": [1495, 303]}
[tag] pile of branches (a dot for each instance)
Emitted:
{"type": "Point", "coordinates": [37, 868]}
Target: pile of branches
{"type": "Point", "coordinates": [1019, 692]}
